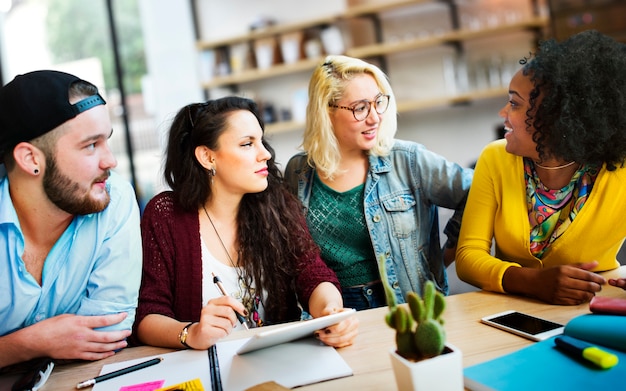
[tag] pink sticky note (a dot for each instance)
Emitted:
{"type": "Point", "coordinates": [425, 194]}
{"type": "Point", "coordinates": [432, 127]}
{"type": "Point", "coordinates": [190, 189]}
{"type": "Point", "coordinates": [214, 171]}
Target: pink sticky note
{"type": "Point", "coordinates": [149, 386]}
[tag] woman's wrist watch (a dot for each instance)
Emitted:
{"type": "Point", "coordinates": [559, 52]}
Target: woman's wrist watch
{"type": "Point", "coordinates": [184, 333]}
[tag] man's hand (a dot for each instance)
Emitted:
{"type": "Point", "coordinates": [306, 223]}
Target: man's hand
{"type": "Point", "coordinates": [64, 337]}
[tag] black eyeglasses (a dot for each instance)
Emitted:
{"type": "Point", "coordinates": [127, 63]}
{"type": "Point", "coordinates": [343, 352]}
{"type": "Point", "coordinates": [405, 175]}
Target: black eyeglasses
{"type": "Point", "coordinates": [362, 108]}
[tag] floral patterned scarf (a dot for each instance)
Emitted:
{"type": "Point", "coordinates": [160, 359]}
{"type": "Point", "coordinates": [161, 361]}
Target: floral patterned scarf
{"type": "Point", "coordinates": [550, 211]}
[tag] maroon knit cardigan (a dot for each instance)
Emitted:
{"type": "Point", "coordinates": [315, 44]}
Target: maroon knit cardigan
{"type": "Point", "coordinates": [171, 282]}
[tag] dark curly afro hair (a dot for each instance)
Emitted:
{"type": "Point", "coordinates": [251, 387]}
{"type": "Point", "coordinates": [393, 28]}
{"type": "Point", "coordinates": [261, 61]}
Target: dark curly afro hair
{"type": "Point", "coordinates": [581, 114]}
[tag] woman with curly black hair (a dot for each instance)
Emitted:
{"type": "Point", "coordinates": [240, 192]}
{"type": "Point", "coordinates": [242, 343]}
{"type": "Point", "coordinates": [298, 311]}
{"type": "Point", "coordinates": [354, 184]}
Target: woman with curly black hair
{"type": "Point", "coordinates": [552, 194]}
{"type": "Point", "coordinates": [227, 215]}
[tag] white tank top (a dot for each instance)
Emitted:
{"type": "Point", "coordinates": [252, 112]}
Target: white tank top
{"type": "Point", "coordinates": [230, 280]}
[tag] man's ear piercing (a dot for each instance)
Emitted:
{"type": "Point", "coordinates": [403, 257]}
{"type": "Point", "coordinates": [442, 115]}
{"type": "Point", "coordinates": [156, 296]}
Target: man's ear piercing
{"type": "Point", "coordinates": [36, 171]}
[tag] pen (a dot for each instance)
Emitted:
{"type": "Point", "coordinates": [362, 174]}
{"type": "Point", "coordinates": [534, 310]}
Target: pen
{"type": "Point", "coordinates": [218, 282]}
{"type": "Point", "coordinates": [216, 377]}
{"type": "Point", "coordinates": [580, 349]}
{"type": "Point", "coordinates": [119, 372]}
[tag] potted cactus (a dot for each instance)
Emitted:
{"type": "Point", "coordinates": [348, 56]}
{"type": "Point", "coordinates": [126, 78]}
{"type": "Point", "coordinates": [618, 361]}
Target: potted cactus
{"type": "Point", "coordinates": [422, 360]}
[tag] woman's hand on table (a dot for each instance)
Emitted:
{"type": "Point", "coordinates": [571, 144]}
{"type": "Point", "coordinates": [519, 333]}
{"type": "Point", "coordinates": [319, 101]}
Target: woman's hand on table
{"type": "Point", "coordinates": [618, 282]}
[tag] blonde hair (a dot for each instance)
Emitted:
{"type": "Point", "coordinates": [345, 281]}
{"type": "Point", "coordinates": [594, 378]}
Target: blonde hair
{"type": "Point", "coordinates": [327, 85]}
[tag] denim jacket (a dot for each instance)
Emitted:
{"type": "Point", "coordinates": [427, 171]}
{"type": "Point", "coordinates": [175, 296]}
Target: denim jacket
{"type": "Point", "coordinates": [402, 193]}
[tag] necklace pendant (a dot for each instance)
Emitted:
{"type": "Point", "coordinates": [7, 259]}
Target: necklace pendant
{"type": "Point", "coordinates": [557, 167]}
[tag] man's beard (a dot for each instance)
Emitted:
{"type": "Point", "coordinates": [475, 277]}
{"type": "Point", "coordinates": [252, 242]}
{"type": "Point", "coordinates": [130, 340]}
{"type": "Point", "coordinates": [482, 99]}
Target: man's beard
{"type": "Point", "coordinates": [64, 192]}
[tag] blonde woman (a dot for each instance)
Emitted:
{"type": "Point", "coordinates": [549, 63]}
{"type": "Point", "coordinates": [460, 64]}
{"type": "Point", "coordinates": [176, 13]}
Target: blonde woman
{"type": "Point", "coordinates": [368, 196]}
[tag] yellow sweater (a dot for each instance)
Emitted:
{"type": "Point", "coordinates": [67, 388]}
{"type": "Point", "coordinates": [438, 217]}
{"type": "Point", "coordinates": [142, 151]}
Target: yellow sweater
{"type": "Point", "coordinates": [496, 209]}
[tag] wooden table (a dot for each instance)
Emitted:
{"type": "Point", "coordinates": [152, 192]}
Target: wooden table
{"type": "Point", "coordinates": [369, 356]}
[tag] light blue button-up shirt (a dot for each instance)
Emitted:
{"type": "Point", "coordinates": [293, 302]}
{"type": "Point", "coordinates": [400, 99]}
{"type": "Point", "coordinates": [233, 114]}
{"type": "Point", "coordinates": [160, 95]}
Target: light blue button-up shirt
{"type": "Point", "coordinates": [93, 269]}
{"type": "Point", "coordinates": [401, 198]}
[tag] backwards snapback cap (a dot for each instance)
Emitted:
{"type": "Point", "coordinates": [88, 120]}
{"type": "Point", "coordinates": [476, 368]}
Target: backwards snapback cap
{"type": "Point", "coordinates": [34, 103]}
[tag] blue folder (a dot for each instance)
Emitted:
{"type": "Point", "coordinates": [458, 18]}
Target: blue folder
{"type": "Point", "coordinates": [541, 366]}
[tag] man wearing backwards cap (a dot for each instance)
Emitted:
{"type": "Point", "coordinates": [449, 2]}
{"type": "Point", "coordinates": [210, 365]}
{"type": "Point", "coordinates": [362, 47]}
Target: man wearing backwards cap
{"type": "Point", "coordinates": [70, 244]}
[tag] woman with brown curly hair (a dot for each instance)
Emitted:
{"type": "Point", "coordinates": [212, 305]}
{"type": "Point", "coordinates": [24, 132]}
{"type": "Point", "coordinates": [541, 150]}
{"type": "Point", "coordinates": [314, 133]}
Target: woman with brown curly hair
{"type": "Point", "coordinates": [227, 215]}
{"type": "Point", "coordinates": [552, 193]}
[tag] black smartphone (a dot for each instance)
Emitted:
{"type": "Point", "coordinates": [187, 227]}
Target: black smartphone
{"type": "Point", "coordinates": [524, 325]}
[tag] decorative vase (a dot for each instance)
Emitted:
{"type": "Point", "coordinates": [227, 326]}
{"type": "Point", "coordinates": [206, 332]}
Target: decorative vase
{"type": "Point", "coordinates": [441, 373]}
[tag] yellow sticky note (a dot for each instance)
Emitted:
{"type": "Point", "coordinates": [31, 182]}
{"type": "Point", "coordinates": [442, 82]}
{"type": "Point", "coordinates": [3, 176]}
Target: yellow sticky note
{"type": "Point", "coordinates": [191, 385]}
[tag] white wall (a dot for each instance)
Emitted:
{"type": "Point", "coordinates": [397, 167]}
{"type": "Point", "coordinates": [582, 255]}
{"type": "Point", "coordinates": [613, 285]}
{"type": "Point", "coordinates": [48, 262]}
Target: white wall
{"type": "Point", "coordinates": [171, 54]}
{"type": "Point", "coordinates": [173, 79]}
{"type": "Point", "coordinates": [224, 19]}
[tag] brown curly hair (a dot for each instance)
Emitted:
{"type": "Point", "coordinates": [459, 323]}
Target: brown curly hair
{"type": "Point", "coordinates": [272, 232]}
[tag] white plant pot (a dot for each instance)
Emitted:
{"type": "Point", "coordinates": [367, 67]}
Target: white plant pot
{"type": "Point", "coordinates": [441, 373]}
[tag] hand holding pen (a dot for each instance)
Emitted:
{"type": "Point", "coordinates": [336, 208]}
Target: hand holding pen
{"type": "Point", "coordinates": [220, 286]}
{"type": "Point", "coordinates": [216, 322]}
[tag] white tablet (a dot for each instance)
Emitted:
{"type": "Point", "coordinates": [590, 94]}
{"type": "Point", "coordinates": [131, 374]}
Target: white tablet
{"type": "Point", "coordinates": [292, 331]}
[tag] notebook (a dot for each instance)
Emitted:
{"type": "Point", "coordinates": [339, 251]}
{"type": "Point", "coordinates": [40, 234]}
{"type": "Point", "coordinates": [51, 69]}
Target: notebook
{"type": "Point", "coordinates": [291, 364]}
{"type": "Point", "coordinates": [608, 305]}
{"type": "Point", "coordinates": [176, 367]}
{"type": "Point", "coordinates": [542, 366]}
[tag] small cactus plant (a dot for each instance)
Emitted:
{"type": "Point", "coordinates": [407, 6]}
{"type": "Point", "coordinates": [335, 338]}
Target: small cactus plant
{"type": "Point", "coordinates": [419, 328]}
